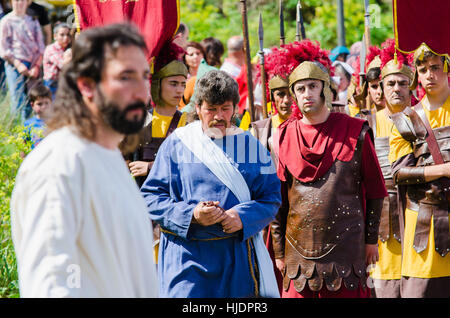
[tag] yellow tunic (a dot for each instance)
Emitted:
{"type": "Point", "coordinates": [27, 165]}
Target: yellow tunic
{"type": "Point", "coordinates": [160, 124]}
{"type": "Point", "coordinates": [245, 122]}
{"type": "Point", "coordinates": [390, 252]}
{"type": "Point", "coordinates": [353, 110]}
{"type": "Point", "coordinates": [276, 121]}
{"type": "Point", "coordinates": [428, 263]}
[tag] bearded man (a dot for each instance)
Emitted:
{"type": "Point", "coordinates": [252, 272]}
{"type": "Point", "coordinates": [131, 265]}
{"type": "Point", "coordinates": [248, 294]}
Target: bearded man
{"type": "Point", "coordinates": [79, 224]}
{"type": "Point", "coordinates": [212, 189]}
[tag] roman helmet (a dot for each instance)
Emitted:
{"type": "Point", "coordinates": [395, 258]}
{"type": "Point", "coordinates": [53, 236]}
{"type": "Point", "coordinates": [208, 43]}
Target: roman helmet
{"type": "Point", "coordinates": [419, 55]}
{"type": "Point", "coordinates": [168, 63]}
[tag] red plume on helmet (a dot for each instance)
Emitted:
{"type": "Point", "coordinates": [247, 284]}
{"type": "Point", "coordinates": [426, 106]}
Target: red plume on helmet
{"type": "Point", "coordinates": [168, 53]}
{"type": "Point", "coordinates": [388, 51]}
{"type": "Point", "coordinates": [282, 61]}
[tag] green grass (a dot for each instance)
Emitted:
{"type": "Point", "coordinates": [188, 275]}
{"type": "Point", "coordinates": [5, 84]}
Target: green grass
{"type": "Point", "coordinates": [11, 146]}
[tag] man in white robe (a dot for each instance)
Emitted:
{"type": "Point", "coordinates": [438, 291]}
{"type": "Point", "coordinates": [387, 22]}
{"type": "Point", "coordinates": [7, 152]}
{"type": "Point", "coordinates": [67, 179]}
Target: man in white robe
{"type": "Point", "coordinates": [79, 224]}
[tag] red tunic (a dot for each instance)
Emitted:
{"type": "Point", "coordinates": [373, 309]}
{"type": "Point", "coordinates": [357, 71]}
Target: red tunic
{"type": "Point", "coordinates": [307, 152]}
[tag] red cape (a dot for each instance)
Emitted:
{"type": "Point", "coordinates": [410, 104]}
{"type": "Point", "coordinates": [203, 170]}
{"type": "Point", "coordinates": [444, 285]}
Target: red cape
{"type": "Point", "coordinates": [308, 151]}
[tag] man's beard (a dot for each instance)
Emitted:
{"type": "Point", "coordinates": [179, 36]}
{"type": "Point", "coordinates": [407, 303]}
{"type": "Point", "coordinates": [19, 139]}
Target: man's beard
{"type": "Point", "coordinates": [117, 119]}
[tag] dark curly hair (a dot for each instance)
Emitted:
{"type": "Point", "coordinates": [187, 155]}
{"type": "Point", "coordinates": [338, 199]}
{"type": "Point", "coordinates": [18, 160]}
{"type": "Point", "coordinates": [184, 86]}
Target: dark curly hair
{"type": "Point", "coordinates": [215, 87]}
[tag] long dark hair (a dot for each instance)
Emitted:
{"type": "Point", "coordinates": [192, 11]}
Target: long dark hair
{"type": "Point", "coordinates": [88, 60]}
{"type": "Point", "coordinates": [214, 50]}
{"type": "Point", "coordinates": [196, 45]}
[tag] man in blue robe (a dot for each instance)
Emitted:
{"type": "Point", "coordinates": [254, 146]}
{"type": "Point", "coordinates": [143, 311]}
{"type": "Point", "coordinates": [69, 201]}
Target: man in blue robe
{"type": "Point", "coordinates": [213, 188]}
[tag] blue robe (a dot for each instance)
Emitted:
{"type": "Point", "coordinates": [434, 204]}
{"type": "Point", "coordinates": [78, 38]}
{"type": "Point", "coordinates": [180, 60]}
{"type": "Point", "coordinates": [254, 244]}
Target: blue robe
{"type": "Point", "coordinates": [203, 261]}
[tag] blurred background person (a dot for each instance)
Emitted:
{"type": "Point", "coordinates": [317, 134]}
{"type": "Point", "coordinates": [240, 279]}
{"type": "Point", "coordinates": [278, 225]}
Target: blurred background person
{"type": "Point", "coordinates": [182, 35]}
{"type": "Point", "coordinates": [344, 72]}
{"type": "Point", "coordinates": [40, 13]}
{"type": "Point", "coordinates": [54, 56]}
{"type": "Point", "coordinates": [235, 56]}
{"type": "Point", "coordinates": [194, 55]}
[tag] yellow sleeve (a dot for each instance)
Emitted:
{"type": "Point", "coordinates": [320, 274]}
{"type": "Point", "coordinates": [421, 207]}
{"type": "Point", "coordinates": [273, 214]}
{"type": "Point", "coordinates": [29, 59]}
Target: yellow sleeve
{"type": "Point", "coordinates": [245, 122]}
{"type": "Point", "coordinates": [398, 146]}
{"type": "Point", "coordinates": [182, 121]}
{"type": "Point", "coordinates": [384, 125]}
{"type": "Point", "coordinates": [353, 110]}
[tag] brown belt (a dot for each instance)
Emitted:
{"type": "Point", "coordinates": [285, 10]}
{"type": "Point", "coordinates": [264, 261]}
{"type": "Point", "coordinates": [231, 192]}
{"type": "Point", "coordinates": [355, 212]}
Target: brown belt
{"type": "Point", "coordinates": [440, 222]}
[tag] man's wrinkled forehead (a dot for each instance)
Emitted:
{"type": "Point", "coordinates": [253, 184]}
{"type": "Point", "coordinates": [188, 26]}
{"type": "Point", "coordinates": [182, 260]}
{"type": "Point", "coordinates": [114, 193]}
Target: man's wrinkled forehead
{"type": "Point", "coordinates": [398, 77]}
{"type": "Point", "coordinates": [214, 105]}
{"type": "Point", "coordinates": [114, 54]}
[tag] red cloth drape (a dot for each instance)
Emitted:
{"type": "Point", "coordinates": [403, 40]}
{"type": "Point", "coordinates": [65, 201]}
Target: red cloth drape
{"type": "Point", "coordinates": [157, 20]}
{"type": "Point", "coordinates": [420, 21]}
{"type": "Point", "coordinates": [308, 151]}
{"type": "Point", "coordinates": [243, 89]}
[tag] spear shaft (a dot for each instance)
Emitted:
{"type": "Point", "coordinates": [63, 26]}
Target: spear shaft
{"type": "Point", "coordinates": [262, 68]}
{"type": "Point", "coordinates": [251, 100]}
{"type": "Point", "coordinates": [367, 23]}
{"type": "Point", "coordinates": [301, 34]}
{"type": "Point", "coordinates": [281, 15]}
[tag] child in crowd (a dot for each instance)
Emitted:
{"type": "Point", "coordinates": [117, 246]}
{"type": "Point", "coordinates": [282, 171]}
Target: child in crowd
{"type": "Point", "coordinates": [41, 99]}
{"type": "Point", "coordinates": [22, 47]}
{"type": "Point", "coordinates": [54, 55]}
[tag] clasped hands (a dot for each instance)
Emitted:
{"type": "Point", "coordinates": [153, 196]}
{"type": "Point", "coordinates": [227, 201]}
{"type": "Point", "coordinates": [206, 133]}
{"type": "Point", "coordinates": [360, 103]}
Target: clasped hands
{"type": "Point", "coordinates": [209, 213]}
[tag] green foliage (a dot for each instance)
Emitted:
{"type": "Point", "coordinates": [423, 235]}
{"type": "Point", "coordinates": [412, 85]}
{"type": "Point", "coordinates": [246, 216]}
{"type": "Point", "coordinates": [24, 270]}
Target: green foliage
{"type": "Point", "coordinates": [222, 19]}
{"type": "Point", "coordinates": [12, 149]}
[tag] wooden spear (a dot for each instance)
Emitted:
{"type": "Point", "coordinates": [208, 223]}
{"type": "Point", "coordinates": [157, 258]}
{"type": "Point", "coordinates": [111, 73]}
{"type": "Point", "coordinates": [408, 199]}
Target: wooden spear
{"type": "Point", "coordinates": [301, 34]}
{"type": "Point", "coordinates": [281, 15]}
{"type": "Point", "coordinates": [261, 63]}
{"type": "Point", "coordinates": [367, 24]}
{"type": "Point", "coordinates": [251, 100]}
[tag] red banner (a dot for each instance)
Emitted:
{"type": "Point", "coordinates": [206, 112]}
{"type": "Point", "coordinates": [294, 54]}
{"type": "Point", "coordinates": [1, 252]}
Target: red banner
{"type": "Point", "coordinates": [157, 20]}
{"type": "Point", "coordinates": [422, 21]}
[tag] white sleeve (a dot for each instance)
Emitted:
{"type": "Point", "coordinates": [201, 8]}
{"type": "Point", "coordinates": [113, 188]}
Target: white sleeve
{"type": "Point", "coordinates": [45, 221]}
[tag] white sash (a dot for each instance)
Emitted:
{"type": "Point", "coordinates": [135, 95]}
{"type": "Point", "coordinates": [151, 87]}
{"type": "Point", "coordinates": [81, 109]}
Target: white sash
{"type": "Point", "coordinates": [220, 164]}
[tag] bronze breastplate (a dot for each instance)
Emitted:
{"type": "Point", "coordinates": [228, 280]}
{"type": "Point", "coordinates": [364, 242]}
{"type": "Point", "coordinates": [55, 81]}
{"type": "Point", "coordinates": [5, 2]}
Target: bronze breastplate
{"type": "Point", "coordinates": [325, 229]}
{"type": "Point", "coordinates": [323, 212]}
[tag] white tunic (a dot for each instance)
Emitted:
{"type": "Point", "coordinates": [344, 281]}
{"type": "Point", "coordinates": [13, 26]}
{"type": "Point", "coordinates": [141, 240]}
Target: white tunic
{"type": "Point", "coordinates": [80, 226]}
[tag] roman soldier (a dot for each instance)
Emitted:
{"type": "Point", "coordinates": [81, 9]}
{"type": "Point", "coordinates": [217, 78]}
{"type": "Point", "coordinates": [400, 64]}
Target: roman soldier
{"type": "Point", "coordinates": [395, 73]}
{"type": "Point", "coordinates": [359, 88]}
{"type": "Point", "coordinates": [420, 155]}
{"type": "Point", "coordinates": [326, 230]}
{"type": "Point", "coordinates": [168, 84]}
